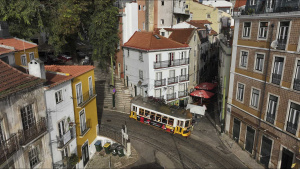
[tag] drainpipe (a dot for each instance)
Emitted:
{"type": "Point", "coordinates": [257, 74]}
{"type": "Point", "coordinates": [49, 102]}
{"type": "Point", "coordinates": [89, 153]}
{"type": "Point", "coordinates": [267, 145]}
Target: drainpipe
{"type": "Point", "coordinates": [263, 92]}
{"type": "Point", "coordinates": [172, 13]}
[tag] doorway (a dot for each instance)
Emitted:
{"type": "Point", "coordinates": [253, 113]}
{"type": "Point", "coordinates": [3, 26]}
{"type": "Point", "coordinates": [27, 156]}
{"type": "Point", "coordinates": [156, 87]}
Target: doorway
{"type": "Point", "coordinates": [119, 70]}
{"type": "Point", "coordinates": [265, 151]}
{"type": "Point", "coordinates": [287, 158]}
{"type": "Point", "coordinates": [236, 130]}
{"type": "Point", "coordinates": [85, 153]}
{"type": "Point", "coordinates": [249, 139]}
{"type": "Point", "coordinates": [135, 91]}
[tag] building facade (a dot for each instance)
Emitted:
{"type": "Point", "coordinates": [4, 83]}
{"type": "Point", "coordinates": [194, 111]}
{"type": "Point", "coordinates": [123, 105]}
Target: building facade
{"type": "Point", "coordinates": [263, 101]}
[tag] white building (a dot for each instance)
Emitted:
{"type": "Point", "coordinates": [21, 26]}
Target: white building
{"type": "Point", "coordinates": [157, 66]}
{"type": "Point", "coordinates": [60, 112]}
{"type": "Point", "coordinates": [129, 20]}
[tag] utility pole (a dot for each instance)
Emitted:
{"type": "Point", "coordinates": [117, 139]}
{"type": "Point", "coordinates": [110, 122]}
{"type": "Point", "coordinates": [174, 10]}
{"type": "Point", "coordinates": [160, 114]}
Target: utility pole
{"type": "Point", "coordinates": [112, 81]}
{"type": "Point", "coordinates": [223, 108]}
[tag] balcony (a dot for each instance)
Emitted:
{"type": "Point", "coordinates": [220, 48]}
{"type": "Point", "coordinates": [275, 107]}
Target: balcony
{"type": "Point", "coordinates": [276, 78]}
{"type": "Point", "coordinates": [170, 63]}
{"type": "Point", "coordinates": [183, 78]}
{"type": "Point", "coordinates": [270, 119]}
{"type": "Point", "coordinates": [291, 128]}
{"type": "Point", "coordinates": [297, 84]}
{"type": "Point", "coordinates": [86, 98]}
{"type": "Point", "coordinates": [8, 148]}
{"type": "Point", "coordinates": [171, 96]}
{"type": "Point", "coordinates": [159, 97]}
{"type": "Point", "coordinates": [182, 94]}
{"type": "Point", "coordinates": [281, 44]}
{"type": "Point", "coordinates": [159, 83]}
{"type": "Point", "coordinates": [84, 128]}
{"type": "Point", "coordinates": [172, 80]}
{"type": "Point", "coordinates": [66, 138]}
{"type": "Point", "coordinates": [34, 132]}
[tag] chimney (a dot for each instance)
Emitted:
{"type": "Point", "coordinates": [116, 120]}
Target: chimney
{"type": "Point", "coordinates": [36, 68]}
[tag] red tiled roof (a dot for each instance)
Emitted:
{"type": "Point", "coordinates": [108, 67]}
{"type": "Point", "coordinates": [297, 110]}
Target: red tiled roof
{"type": "Point", "coordinates": [239, 3]}
{"type": "Point", "coordinates": [199, 23]}
{"type": "Point", "coordinates": [54, 79]}
{"type": "Point", "coordinates": [13, 80]}
{"type": "Point", "coordinates": [212, 32]}
{"type": "Point", "coordinates": [18, 44]}
{"type": "Point", "coordinates": [5, 50]}
{"type": "Point", "coordinates": [182, 35]}
{"type": "Point", "coordinates": [147, 41]}
{"type": "Point", "coordinates": [72, 70]}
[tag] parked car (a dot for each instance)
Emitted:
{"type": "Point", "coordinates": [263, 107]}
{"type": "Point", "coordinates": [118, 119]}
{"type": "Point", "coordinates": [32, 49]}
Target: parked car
{"type": "Point", "coordinates": [64, 57]}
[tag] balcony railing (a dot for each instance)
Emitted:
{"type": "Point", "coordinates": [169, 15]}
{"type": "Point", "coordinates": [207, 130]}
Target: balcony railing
{"type": "Point", "coordinates": [172, 80]}
{"type": "Point", "coordinates": [85, 127]}
{"type": "Point", "coordinates": [182, 93]}
{"type": "Point", "coordinates": [281, 44]}
{"type": "Point", "coordinates": [183, 78]}
{"type": "Point", "coordinates": [270, 119]}
{"type": "Point", "coordinates": [171, 96]}
{"type": "Point", "coordinates": [158, 83]}
{"type": "Point", "coordinates": [65, 139]}
{"type": "Point", "coordinates": [292, 128]}
{"type": "Point", "coordinates": [8, 148]}
{"type": "Point", "coordinates": [34, 131]}
{"type": "Point", "coordinates": [276, 78]}
{"type": "Point", "coordinates": [86, 98]}
{"type": "Point", "coordinates": [159, 97]}
{"type": "Point", "coordinates": [171, 63]}
{"type": "Point", "coordinates": [297, 84]}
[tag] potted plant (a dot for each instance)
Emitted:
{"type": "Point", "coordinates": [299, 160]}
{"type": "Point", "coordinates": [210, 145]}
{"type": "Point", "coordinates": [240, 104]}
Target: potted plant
{"type": "Point", "coordinates": [72, 160]}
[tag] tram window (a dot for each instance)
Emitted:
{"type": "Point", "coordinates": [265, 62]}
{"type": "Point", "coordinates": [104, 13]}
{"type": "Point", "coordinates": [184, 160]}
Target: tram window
{"type": "Point", "coordinates": [133, 108]}
{"type": "Point", "coordinates": [181, 123]}
{"type": "Point", "coordinates": [186, 123]}
{"type": "Point", "coordinates": [152, 116]}
{"type": "Point", "coordinates": [171, 121]}
{"type": "Point", "coordinates": [147, 113]}
{"type": "Point", "coordinates": [165, 119]}
{"type": "Point", "coordinates": [141, 112]}
{"type": "Point", "coordinates": [158, 117]}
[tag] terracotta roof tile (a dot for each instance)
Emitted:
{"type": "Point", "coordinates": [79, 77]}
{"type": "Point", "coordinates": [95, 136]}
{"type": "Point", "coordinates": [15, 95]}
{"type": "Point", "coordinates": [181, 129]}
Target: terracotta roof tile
{"type": "Point", "coordinates": [148, 41]}
{"type": "Point", "coordinates": [54, 79]}
{"type": "Point", "coordinates": [212, 32]}
{"type": "Point", "coordinates": [13, 80]}
{"type": "Point", "coordinates": [182, 35]}
{"type": "Point", "coordinates": [199, 23]}
{"type": "Point", "coordinates": [239, 3]}
{"type": "Point", "coordinates": [18, 44]}
{"type": "Point", "coordinates": [5, 50]}
{"type": "Point", "coordinates": [72, 70]}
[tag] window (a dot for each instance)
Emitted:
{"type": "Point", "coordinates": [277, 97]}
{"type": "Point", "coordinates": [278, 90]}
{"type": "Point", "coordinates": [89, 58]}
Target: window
{"type": "Point", "coordinates": [61, 128]}
{"type": "Point", "coordinates": [162, 3]}
{"type": "Point", "coordinates": [79, 95]}
{"type": "Point", "coordinates": [27, 115]}
{"type": "Point", "coordinates": [141, 74]}
{"type": "Point", "coordinates": [158, 58]}
{"type": "Point", "coordinates": [283, 35]}
{"type": "Point", "coordinates": [297, 77]}
{"type": "Point", "coordinates": [157, 93]}
{"type": "Point", "coordinates": [2, 134]}
{"type": "Point", "coordinates": [128, 53]}
{"type": "Point", "coordinates": [259, 62]}
{"type": "Point", "coordinates": [143, 25]}
{"type": "Point", "coordinates": [254, 98]}
{"type": "Point", "coordinates": [240, 92]}
{"type": "Point", "coordinates": [125, 67]}
{"type": "Point", "coordinates": [23, 60]}
{"type": "Point", "coordinates": [162, 21]}
{"type": "Point", "coordinates": [252, 2]}
{"type": "Point", "coordinates": [33, 157]}
{"type": "Point", "coordinates": [141, 56]}
{"type": "Point", "coordinates": [139, 7]}
{"type": "Point", "coordinates": [83, 126]}
{"type": "Point", "coordinates": [31, 56]}
{"type": "Point", "coordinates": [263, 30]}
{"type": "Point", "coordinates": [162, 33]}
{"type": "Point", "coordinates": [186, 6]}
{"type": "Point", "coordinates": [207, 15]}
{"type": "Point", "coordinates": [293, 118]}
{"type": "Point", "coordinates": [246, 30]}
{"type": "Point", "coordinates": [91, 91]}
{"type": "Point", "coordinates": [144, 7]}
{"type": "Point", "coordinates": [58, 96]}
{"type": "Point", "coordinates": [244, 58]}
{"type": "Point", "coordinates": [277, 70]}
{"type": "Point", "coordinates": [272, 106]}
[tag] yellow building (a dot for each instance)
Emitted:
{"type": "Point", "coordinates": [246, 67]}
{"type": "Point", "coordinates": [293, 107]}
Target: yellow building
{"type": "Point", "coordinates": [85, 108]}
{"type": "Point", "coordinates": [205, 12]}
{"type": "Point", "coordinates": [24, 51]}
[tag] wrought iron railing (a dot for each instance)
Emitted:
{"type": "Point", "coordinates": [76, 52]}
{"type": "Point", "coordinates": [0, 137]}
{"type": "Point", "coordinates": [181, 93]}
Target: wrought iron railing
{"type": "Point", "coordinates": [171, 96]}
{"type": "Point", "coordinates": [291, 127]}
{"type": "Point", "coordinates": [276, 78]}
{"type": "Point", "coordinates": [161, 64]}
{"type": "Point", "coordinates": [171, 63]}
{"type": "Point", "coordinates": [281, 44]}
{"type": "Point", "coordinates": [182, 93]}
{"type": "Point", "coordinates": [158, 83]}
{"type": "Point", "coordinates": [183, 78]}
{"type": "Point", "coordinates": [34, 131]}
{"type": "Point", "coordinates": [172, 80]}
{"type": "Point", "coordinates": [270, 119]}
{"type": "Point", "coordinates": [297, 84]}
{"type": "Point", "coordinates": [84, 128]}
{"type": "Point", "coordinates": [65, 139]}
{"type": "Point", "coordinates": [86, 97]}
{"type": "Point", "coordinates": [8, 148]}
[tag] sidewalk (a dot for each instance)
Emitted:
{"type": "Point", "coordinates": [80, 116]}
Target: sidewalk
{"type": "Point", "coordinates": [236, 149]}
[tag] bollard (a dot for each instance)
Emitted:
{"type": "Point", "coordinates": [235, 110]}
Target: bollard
{"type": "Point", "coordinates": [128, 150]}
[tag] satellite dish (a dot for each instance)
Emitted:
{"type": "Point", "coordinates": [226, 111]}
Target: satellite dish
{"type": "Point", "coordinates": [274, 44]}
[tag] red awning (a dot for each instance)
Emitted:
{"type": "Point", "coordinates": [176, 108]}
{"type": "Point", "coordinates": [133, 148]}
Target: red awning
{"type": "Point", "coordinates": [206, 86]}
{"type": "Point", "coordinates": [202, 93]}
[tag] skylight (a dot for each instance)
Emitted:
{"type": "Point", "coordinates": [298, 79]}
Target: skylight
{"type": "Point", "coordinates": [156, 36]}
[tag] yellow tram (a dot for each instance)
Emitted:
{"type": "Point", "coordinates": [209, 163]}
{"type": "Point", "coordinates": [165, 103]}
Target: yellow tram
{"type": "Point", "coordinates": [169, 118]}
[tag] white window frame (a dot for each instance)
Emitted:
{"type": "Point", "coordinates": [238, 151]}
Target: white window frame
{"type": "Point", "coordinates": [58, 96]}
{"type": "Point", "coordinates": [276, 110]}
{"type": "Point", "coordinates": [259, 31]}
{"type": "Point", "coordinates": [261, 148]}
{"type": "Point", "coordinates": [263, 62]}
{"type": "Point", "coordinates": [144, 7]}
{"type": "Point", "coordinates": [30, 56]}
{"type": "Point", "coordinates": [237, 92]}
{"type": "Point", "coordinates": [294, 73]}
{"type": "Point", "coordinates": [287, 116]}
{"type": "Point", "coordinates": [2, 131]}
{"type": "Point", "coordinates": [289, 32]}
{"type": "Point", "coordinates": [82, 130]}
{"type": "Point", "coordinates": [252, 2]}
{"type": "Point", "coordinates": [91, 88]}
{"type": "Point", "coordinates": [162, 21]}
{"type": "Point", "coordinates": [61, 124]}
{"type": "Point", "coordinates": [22, 61]}
{"type": "Point", "coordinates": [249, 31]}
{"type": "Point", "coordinates": [35, 156]}
{"type": "Point", "coordinates": [251, 97]}
{"type": "Point", "coordinates": [273, 63]}
{"type": "Point", "coordinates": [240, 63]}
{"type": "Point", "coordinates": [79, 98]}
{"type": "Point", "coordinates": [33, 120]}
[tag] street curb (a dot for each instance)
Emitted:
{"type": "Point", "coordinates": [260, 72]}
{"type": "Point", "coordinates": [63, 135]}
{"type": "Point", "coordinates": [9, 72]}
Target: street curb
{"type": "Point", "coordinates": [115, 110]}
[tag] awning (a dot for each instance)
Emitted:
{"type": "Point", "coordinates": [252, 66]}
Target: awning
{"type": "Point", "coordinates": [196, 109]}
{"type": "Point", "coordinates": [206, 86]}
{"type": "Point", "coordinates": [202, 93]}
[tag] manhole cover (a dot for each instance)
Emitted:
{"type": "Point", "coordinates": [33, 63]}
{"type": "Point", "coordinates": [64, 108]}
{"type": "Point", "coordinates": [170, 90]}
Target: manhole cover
{"type": "Point", "coordinates": [108, 120]}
